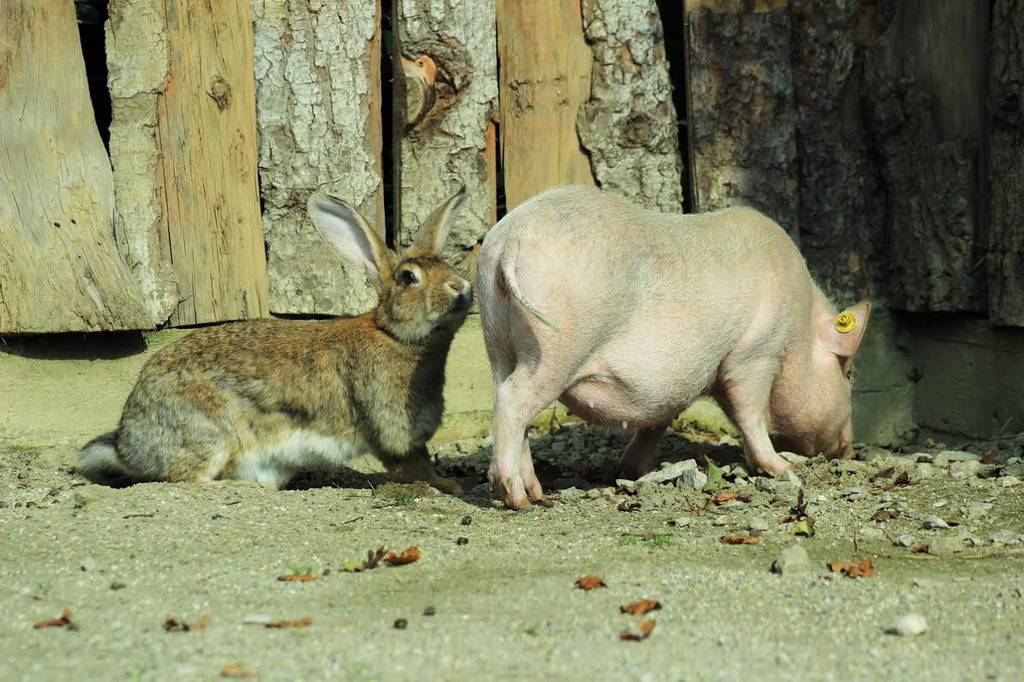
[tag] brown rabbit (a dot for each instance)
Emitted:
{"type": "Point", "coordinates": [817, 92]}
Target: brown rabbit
{"type": "Point", "coordinates": [265, 399]}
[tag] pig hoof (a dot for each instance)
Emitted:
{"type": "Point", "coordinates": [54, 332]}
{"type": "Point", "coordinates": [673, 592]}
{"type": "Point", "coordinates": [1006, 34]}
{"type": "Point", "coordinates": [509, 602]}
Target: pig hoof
{"type": "Point", "coordinates": [510, 490]}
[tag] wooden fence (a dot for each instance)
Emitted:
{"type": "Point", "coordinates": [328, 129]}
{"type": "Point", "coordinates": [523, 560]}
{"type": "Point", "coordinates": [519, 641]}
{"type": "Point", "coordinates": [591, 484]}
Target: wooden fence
{"type": "Point", "coordinates": [885, 136]}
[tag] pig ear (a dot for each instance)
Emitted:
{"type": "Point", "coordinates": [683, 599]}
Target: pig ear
{"type": "Point", "coordinates": [847, 331]}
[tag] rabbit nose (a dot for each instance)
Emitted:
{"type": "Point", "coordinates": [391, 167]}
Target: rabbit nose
{"type": "Point", "coordinates": [457, 288]}
{"type": "Point", "coordinates": [463, 293]}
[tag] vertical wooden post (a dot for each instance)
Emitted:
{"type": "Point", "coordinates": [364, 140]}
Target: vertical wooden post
{"type": "Point", "coordinates": [318, 100]}
{"type": "Point", "coordinates": [60, 269]}
{"type": "Point", "coordinates": [545, 66]}
{"type": "Point", "coordinates": [183, 140]}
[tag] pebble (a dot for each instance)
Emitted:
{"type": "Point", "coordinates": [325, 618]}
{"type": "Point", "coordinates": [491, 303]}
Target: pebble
{"type": "Point", "coordinates": [1005, 537]}
{"type": "Point", "coordinates": [739, 472]}
{"type": "Point", "coordinates": [572, 493]}
{"type": "Point", "coordinates": [669, 471]}
{"type": "Point", "coordinates": [462, 541]}
{"type": "Point", "coordinates": [765, 484]}
{"type": "Point", "coordinates": [117, 585]}
{"type": "Point", "coordinates": [720, 521]}
{"type": "Point", "coordinates": [429, 611]}
{"type": "Point", "coordinates": [593, 494]}
{"type": "Point", "coordinates": [793, 458]}
{"type": "Point", "coordinates": [792, 559]}
{"type": "Point", "coordinates": [904, 540]}
{"type": "Point", "coordinates": [944, 546]}
{"type": "Point", "coordinates": [908, 625]}
{"type": "Point", "coordinates": [978, 508]}
{"type": "Point", "coordinates": [933, 522]}
{"type": "Point", "coordinates": [1015, 469]}
{"type": "Point", "coordinates": [401, 624]}
{"type": "Point", "coordinates": [948, 456]}
{"type": "Point", "coordinates": [758, 524]}
{"type": "Point", "coordinates": [793, 479]}
{"type": "Point", "coordinates": [871, 533]}
{"type": "Point", "coordinates": [466, 520]}
{"type": "Point", "coordinates": [921, 471]}
{"type": "Point", "coordinates": [1008, 481]}
{"type": "Point", "coordinates": [626, 485]}
{"type": "Point", "coordinates": [964, 469]}
{"type": "Point", "coordinates": [694, 479]}
{"type": "Point", "coordinates": [680, 522]}
{"type": "Point", "coordinates": [923, 457]}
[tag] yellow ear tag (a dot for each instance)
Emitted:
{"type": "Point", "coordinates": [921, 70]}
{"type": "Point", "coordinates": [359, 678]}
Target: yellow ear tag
{"type": "Point", "coordinates": [845, 322]}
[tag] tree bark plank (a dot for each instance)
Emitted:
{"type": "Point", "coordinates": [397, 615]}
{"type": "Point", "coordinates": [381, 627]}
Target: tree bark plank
{"type": "Point", "coordinates": [1006, 164]}
{"type": "Point", "coordinates": [744, 115]}
{"type": "Point", "coordinates": [842, 211]}
{"type": "Point", "coordinates": [926, 77]}
{"type": "Point", "coordinates": [447, 146]}
{"type": "Point", "coordinates": [628, 125]}
{"type": "Point", "coordinates": [545, 79]}
{"type": "Point", "coordinates": [318, 97]}
{"type": "Point", "coordinates": [187, 121]}
{"type": "Point", "coordinates": [60, 269]}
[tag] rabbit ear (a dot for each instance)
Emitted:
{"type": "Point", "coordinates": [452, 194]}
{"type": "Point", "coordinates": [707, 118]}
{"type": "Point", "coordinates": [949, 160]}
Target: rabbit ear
{"type": "Point", "coordinates": [436, 227]}
{"type": "Point", "coordinates": [349, 235]}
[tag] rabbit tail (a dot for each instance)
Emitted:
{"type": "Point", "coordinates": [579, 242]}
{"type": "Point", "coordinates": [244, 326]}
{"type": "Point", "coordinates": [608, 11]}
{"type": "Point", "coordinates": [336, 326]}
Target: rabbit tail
{"type": "Point", "coordinates": [99, 461]}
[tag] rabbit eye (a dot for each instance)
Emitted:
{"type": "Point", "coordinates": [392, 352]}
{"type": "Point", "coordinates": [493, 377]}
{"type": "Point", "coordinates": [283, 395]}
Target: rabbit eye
{"type": "Point", "coordinates": [408, 277]}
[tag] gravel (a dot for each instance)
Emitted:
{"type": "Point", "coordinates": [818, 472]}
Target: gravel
{"type": "Point", "coordinates": [506, 601]}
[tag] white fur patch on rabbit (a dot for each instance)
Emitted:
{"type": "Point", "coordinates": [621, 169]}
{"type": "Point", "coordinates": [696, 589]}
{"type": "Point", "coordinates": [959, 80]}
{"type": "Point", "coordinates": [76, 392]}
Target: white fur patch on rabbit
{"type": "Point", "coordinates": [299, 450]}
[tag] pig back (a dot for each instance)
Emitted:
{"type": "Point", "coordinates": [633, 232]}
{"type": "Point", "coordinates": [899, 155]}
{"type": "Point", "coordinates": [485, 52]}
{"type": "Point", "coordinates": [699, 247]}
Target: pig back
{"type": "Point", "coordinates": [592, 260]}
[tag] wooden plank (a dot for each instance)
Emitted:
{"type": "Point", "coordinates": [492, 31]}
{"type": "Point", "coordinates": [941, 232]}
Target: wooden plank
{"type": "Point", "coordinates": [1006, 164]}
{"type": "Point", "coordinates": [628, 124]}
{"type": "Point", "coordinates": [545, 80]}
{"type": "Point", "coordinates": [842, 216]}
{"type": "Point", "coordinates": [744, 115]}
{"type": "Point", "coordinates": [60, 269]}
{"type": "Point", "coordinates": [318, 96]}
{"type": "Point", "coordinates": [926, 120]}
{"type": "Point", "coordinates": [201, 151]}
{"type": "Point", "coordinates": [206, 123]}
{"type": "Point", "coordinates": [447, 145]}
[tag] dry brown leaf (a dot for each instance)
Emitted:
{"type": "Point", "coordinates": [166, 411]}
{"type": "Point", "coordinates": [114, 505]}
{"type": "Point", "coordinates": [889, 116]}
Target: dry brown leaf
{"type": "Point", "coordinates": [373, 558]}
{"type": "Point", "coordinates": [237, 670]}
{"type": "Point", "coordinates": [590, 582]}
{"type": "Point", "coordinates": [739, 539]}
{"type": "Point", "coordinates": [721, 498]}
{"type": "Point", "coordinates": [886, 515]}
{"type": "Point", "coordinates": [300, 623]}
{"type": "Point", "coordinates": [646, 627]}
{"type": "Point", "coordinates": [920, 549]}
{"type": "Point", "coordinates": [296, 578]}
{"type": "Point", "coordinates": [61, 621]}
{"type": "Point", "coordinates": [408, 555]}
{"type": "Point", "coordinates": [854, 570]}
{"type": "Point", "coordinates": [175, 625]}
{"type": "Point", "coordinates": [639, 608]}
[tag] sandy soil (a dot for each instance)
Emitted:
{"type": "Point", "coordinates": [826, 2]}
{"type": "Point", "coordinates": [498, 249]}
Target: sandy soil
{"type": "Point", "coordinates": [503, 599]}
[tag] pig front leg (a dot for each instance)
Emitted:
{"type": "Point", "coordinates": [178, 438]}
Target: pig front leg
{"type": "Point", "coordinates": [638, 457]}
{"type": "Point", "coordinates": [744, 396]}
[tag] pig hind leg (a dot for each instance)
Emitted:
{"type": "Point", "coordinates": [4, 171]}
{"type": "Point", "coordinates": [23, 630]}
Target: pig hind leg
{"type": "Point", "coordinates": [638, 457]}
{"type": "Point", "coordinates": [745, 392]}
{"type": "Point", "coordinates": [519, 397]}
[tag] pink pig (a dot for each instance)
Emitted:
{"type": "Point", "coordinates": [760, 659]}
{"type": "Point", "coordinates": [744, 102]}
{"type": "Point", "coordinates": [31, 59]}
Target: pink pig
{"type": "Point", "coordinates": [627, 316]}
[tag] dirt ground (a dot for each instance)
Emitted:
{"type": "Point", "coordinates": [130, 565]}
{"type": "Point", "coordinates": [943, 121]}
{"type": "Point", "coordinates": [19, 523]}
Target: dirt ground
{"type": "Point", "coordinates": [493, 592]}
